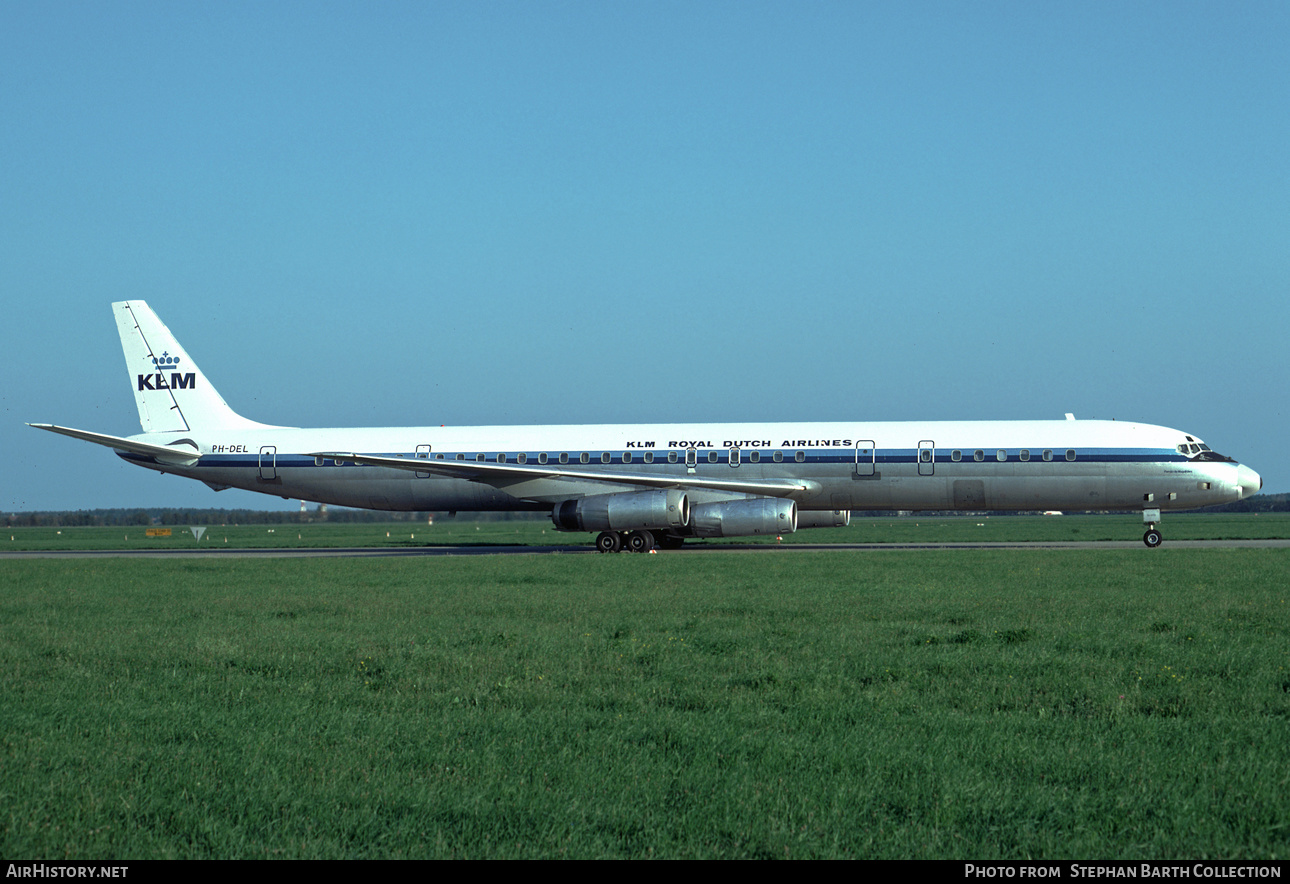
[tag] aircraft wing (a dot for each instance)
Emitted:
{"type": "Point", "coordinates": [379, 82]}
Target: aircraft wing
{"type": "Point", "coordinates": [181, 455]}
{"type": "Point", "coordinates": [505, 475]}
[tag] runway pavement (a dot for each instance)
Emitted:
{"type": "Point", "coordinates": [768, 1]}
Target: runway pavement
{"type": "Point", "coordinates": [689, 549]}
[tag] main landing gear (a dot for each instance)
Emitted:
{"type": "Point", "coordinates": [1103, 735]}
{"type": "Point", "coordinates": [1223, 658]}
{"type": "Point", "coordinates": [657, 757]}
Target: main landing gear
{"type": "Point", "coordinates": [1153, 537]}
{"type": "Point", "coordinates": [635, 541]}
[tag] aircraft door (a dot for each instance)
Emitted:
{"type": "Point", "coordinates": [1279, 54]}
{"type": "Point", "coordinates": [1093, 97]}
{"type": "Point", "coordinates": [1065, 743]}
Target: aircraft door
{"type": "Point", "coordinates": [268, 462]}
{"type": "Point", "coordinates": [866, 457]}
{"type": "Point", "coordinates": [423, 452]}
{"type": "Point", "coordinates": [926, 457]}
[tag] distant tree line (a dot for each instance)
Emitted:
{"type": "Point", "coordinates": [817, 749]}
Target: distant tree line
{"type": "Point", "coordinates": [1259, 503]}
{"type": "Point", "coordinates": [110, 518]}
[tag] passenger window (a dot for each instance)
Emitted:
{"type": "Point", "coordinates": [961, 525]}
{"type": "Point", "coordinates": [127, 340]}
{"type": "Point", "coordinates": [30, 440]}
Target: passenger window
{"type": "Point", "coordinates": [956, 455]}
{"type": "Point", "coordinates": [605, 457]}
{"type": "Point", "coordinates": [649, 457]}
{"type": "Point", "coordinates": [925, 455]}
{"type": "Point", "coordinates": [712, 457]}
{"type": "Point", "coordinates": [564, 457]}
{"type": "Point", "coordinates": [1070, 453]}
{"type": "Point", "coordinates": [1025, 454]}
{"type": "Point", "coordinates": [584, 457]}
{"type": "Point", "coordinates": [501, 458]}
{"type": "Point", "coordinates": [318, 461]}
{"type": "Point", "coordinates": [1001, 455]}
{"type": "Point", "coordinates": [627, 457]}
{"type": "Point", "coordinates": [778, 457]}
{"type": "Point", "coordinates": [1048, 454]}
{"type": "Point", "coordinates": [671, 457]}
{"type": "Point", "coordinates": [542, 457]}
{"type": "Point", "coordinates": [461, 457]}
{"type": "Point", "coordinates": [521, 458]}
{"type": "Point", "coordinates": [691, 457]}
{"type": "Point", "coordinates": [439, 456]}
{"type": "Point", "coordinates": [755, 456]}
{"type": "Point", "coordinates": [978, 455]}
{"type": "Point", "coordinates": [479, 457]}
{"type": "Point", "coordinates": [800, 457]}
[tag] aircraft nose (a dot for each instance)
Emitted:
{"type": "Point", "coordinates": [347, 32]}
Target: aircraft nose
{"type": "Point", "coordinates": [1249, 481]}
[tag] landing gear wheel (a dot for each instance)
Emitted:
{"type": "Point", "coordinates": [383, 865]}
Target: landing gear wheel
{"type": "Point", "coordinates": [640, 541]}
{"type": "Point", "coordinates": [609, 542]}
{"type": "Point", "coordinates": [1152, 538]}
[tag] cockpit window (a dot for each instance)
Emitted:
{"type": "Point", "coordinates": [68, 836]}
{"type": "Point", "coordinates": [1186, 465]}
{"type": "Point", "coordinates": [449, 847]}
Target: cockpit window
{"type": "Point", "coordinates": [1200, 451]}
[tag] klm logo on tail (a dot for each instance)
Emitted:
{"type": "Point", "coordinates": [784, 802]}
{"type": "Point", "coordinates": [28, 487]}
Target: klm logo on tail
{"type": "Point", "coordinates": [157, 380]}
{"type": "Point", "coordinates": [178, 381]}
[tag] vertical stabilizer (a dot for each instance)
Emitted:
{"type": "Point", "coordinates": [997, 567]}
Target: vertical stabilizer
{"type": "Point", "coordinates": [171, 392]}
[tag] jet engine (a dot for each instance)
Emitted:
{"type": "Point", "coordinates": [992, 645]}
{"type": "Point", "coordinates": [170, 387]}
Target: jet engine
{"type": "Point", "coordinates": [628, 511]}
{"type": "Point", "coordinates": [824, 519]}
{"type": "Point", "coordinates": [740, 518]}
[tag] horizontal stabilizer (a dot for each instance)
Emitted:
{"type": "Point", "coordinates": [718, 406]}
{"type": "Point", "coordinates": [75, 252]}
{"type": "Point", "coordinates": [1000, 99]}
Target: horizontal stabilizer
{"type": "Point", "coordinates": [502, 475]}
{"type": "Point", "coordinates": [183, 454]}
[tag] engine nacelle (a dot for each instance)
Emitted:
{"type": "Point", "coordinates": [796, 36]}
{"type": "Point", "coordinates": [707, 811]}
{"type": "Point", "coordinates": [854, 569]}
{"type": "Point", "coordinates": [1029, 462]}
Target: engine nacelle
{"type": "Point", "coordinates": [823, 518]}
{"type": "Point", "coordinates": [740, 518]}
{"type": "Point", "coordinates": [624, 512]}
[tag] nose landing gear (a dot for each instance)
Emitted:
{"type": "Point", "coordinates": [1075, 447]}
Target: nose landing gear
{"type": "Point", "coordinates": [1153, 537]}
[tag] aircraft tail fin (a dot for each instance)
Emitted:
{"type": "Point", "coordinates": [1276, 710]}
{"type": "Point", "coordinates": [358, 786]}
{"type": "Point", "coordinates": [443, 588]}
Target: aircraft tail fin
{"type": "Point", "coordinates": [172, 394]}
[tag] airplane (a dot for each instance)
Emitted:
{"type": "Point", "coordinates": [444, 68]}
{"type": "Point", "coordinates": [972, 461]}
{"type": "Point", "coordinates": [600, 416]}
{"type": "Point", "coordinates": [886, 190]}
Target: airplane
{"type": "Point", "coordinates": [642, 486]}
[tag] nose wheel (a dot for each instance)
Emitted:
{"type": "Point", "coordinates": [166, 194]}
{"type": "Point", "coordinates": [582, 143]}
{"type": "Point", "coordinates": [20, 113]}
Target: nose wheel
{"type": "Point", "coordinates": [1152, 538]}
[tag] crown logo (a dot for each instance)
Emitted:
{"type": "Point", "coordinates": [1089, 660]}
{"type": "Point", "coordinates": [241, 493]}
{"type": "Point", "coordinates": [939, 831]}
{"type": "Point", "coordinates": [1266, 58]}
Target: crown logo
{"type": "Point", "coordinates": [165, 361]}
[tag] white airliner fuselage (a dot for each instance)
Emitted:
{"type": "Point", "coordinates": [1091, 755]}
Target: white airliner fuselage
{"type": "Point", "coordinates": [647, 484]}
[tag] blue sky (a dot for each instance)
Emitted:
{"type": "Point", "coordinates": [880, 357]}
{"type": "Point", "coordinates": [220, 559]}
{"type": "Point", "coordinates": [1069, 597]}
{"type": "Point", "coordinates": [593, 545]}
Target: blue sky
{"type": "Point", "coordinates": [528, 212]}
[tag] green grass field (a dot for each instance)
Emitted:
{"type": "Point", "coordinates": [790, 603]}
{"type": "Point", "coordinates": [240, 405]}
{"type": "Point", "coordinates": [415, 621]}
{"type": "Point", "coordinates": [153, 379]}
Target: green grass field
{"type": "Point", "coordinates": [966, 703]}
{"type": "Point", "coordinates": [454, 532]}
